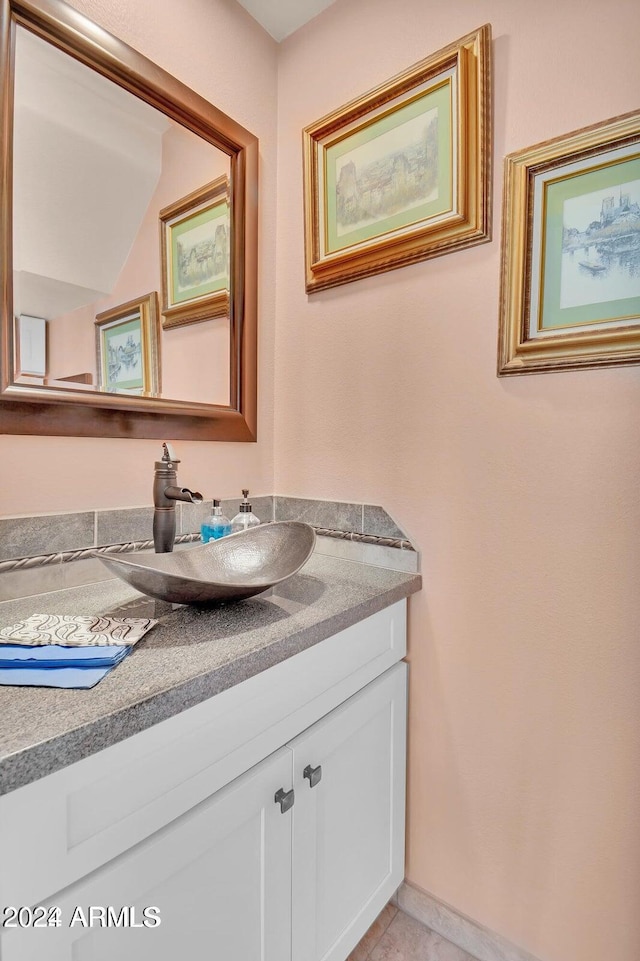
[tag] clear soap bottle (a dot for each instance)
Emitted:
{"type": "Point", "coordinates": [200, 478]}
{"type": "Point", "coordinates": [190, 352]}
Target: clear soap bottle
{"type": "Point", "coordinates": [245, 518]}
{"type": "Point", "coordinates": [216, 526]}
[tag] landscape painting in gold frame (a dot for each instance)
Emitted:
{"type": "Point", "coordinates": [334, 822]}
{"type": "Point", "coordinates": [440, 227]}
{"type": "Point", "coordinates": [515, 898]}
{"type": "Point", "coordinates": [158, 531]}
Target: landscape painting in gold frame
{"type": "Point", "coordinates": [402, 173]}
{"type": "Point", "coordinates": [128, 347]}
{"type": "Point", "coordinates": [570, 288]}
{"type": "Point", "coordinates": [195, 245]}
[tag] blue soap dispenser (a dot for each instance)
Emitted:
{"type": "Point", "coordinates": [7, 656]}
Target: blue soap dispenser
{"type": "Point", "coordinates": [245, 518]}
{"type": "Point", "coordinates": [216, 526]}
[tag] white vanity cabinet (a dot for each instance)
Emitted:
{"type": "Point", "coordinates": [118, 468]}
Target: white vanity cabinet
{"type": "Point", "coordinates": [266, 824]}
{"type": "Point", "coordinates": [220, 876]}
{"type": "Point", "coordinates": [348, 829]}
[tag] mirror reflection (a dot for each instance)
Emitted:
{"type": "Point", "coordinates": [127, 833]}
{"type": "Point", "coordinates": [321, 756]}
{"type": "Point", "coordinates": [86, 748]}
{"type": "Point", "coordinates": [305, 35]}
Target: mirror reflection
{"type": "Point", "coordinates": [120, 239]}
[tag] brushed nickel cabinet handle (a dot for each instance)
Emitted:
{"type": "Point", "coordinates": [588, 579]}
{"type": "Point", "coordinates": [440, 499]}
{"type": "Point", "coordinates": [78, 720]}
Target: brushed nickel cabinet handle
{"type": "Point", "coordinates": [285, 799]}
{"type": "Point", "coordinates": [313, 773]}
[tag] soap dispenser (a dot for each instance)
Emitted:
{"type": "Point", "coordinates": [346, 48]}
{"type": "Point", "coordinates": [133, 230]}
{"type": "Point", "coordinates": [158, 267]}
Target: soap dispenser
{"type": "Point", "coordinates": [245, 518]}
{"type": "Point", "coordinates": [216, 526]}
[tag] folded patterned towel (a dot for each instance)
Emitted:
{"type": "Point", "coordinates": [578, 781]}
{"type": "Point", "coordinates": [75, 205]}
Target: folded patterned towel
{"type": "Point", "coordinates": [77, 631]}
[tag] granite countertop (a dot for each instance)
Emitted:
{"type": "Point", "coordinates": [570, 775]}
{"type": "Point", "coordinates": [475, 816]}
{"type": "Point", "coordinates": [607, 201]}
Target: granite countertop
{"type": "Point", "coordinates": [190, 655]}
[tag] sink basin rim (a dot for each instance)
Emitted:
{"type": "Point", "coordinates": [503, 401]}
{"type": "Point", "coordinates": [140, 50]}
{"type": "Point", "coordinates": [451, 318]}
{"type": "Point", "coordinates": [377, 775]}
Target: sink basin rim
{"type": "Point", "coordinates": [130, 569]}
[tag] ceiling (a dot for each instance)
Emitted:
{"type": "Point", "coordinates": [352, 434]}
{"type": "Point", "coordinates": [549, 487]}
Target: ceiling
{"type": "Point", "coordinates": [282, 17]}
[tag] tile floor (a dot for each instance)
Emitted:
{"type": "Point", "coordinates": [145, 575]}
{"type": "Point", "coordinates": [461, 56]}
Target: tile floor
{"type": "Point", "coordinates": [394, 936]}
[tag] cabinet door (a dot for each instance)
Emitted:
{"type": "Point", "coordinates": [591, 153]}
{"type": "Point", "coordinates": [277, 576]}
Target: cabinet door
{"type": "Point", "coordinates": [348, 828]}
{"type": "Point", "coordinates": [220, 877]}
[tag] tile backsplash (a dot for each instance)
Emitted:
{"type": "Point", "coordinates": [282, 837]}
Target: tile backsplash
{"type": "Point", "coordinates": [35, 551]}
{"type": "Point", "coordinates": [44, 535]}
{"type": "Point", "coordinates": [331, 515]}
{"type": "Point", "coordinates": [125, 525]}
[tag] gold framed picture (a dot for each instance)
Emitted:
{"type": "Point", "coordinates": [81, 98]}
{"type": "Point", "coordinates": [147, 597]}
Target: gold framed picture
{"type": "Point", "coordinates": [128, 347]}
{"type": "Point", "coordinates": [570, 287]}
{"type": "Point", "coordinates": [403, 173]}
{"type": "Point", "coordinates": [195, 246]}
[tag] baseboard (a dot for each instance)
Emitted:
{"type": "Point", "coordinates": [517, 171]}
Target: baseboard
{"type": "Point", "coordinates": [472, 937]}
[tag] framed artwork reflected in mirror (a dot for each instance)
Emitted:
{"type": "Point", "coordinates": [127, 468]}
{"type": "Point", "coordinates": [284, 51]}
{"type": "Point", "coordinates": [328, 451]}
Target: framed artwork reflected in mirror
{"type": "Point", "coordinates": [194, 240]}
{"type": "Point", "coordinates": [128, 347]}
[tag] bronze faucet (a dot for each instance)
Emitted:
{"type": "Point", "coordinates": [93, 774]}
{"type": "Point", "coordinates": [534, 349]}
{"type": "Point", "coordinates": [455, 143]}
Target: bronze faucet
{"type": "Point", "coordinates": [165, 495]}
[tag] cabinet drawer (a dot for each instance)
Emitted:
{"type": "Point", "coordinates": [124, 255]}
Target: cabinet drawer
{"type": "Point", "coordinates": [60, 828]}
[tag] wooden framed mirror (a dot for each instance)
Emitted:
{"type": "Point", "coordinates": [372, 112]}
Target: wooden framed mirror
{"type": "Point", "coordinates": [128, 215]}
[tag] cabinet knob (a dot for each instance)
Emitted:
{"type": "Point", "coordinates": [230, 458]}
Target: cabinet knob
{"type": "Point", "coordinates": [313, 773]}
{"type": "Point", "coordinates": [285, 799]}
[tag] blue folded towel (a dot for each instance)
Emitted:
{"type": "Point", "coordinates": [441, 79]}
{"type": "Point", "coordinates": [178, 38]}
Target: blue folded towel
{"type": "Point", "coordinates": [53, 665]}
{"type": "Point", "coordinates": [76, 677]}
{"type": "Point", "coordinates": [56, 655]}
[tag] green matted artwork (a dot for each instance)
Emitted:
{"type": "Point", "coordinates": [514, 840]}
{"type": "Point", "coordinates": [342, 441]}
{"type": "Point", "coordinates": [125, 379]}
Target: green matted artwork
{"type": "Point", "coordinates": [195, 249]}
{"type": "Point", "coordinates": [391, 174]}
{"type": "Point", "coordinates": [401, 174]}
{"type": "Point", "coordinates": [571, 251]}
{"type": "Point", "coordinates": [128, 347]}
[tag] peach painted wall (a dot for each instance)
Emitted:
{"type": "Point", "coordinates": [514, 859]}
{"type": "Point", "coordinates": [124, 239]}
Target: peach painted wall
{"type": "Point", "coordinates": [216, 48]}
{"type": "Point", "coordinates": [525, 716]}
{"type": "Point", "coordinates": [524, 779]}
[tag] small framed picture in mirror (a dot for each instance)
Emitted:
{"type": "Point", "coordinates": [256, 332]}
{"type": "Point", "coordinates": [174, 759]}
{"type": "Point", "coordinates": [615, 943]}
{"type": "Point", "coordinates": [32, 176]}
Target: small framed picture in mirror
{"type": "Point", "coordinates": [194, 234]}
{"type": "Point", "coordinates": [128, 347]}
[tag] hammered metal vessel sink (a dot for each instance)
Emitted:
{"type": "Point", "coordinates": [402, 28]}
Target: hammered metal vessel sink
{"type": "Point", "coordinates": [230, 569]}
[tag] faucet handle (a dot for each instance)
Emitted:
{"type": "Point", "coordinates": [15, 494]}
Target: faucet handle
{"type": "Point", "coordinates": [168, 454]}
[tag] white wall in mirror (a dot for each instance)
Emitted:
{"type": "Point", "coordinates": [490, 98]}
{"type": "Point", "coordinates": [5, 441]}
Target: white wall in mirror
{"type": "Point", "coordinates": [93, 166]}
